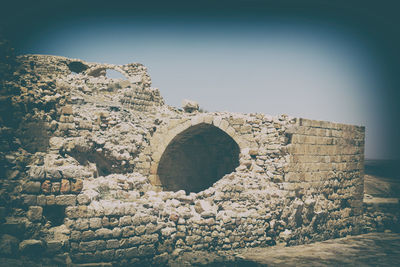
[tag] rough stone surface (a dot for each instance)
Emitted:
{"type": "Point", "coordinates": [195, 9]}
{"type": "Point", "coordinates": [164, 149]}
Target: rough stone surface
{"type": "Point", "coordinates": [190, 105]}
{"type": "Point", "coordinates": [98, 157]}
{"type": "Point", "coordinates": [35, 213]}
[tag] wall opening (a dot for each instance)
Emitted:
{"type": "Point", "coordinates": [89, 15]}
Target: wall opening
{"type": "Point", "coordinates": [114, 74]}
{"type": "Point", "coordinates": [77, 67]}
{"type": "Point", "coordinates": [196, 158]}
{"type": "Point", "coordinates": [55, 214]}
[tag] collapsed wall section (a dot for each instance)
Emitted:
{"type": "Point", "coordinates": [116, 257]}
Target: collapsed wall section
{"type": "Point", "coordinates": [292, 181]}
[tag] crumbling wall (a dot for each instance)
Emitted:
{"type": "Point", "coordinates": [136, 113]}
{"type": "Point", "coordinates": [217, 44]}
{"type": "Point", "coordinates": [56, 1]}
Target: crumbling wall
{"type": "Point", "coordinates": [297, 180]}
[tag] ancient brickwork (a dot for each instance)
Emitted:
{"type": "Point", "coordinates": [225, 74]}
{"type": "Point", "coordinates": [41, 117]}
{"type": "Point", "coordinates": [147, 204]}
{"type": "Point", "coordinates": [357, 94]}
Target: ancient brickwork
{"type": "Point", "coordinates": [289, 181]}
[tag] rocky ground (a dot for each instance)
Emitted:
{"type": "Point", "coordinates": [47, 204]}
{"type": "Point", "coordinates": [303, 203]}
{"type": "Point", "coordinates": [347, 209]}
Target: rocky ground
{"type": "Point", "coordinates": [373, 249]}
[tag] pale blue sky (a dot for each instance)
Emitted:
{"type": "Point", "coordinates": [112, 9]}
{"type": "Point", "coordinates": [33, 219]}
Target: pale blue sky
{"type": "Point", "coordinates": [278, 66]}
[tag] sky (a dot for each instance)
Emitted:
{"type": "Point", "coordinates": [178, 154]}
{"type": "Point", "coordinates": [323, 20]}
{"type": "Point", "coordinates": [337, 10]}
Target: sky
{"type": "Point", "coordinates": [317, 61]}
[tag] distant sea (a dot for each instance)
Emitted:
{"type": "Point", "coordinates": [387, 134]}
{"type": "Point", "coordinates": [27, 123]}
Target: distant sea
{"type": "Point", "coordinates": [383, 168]}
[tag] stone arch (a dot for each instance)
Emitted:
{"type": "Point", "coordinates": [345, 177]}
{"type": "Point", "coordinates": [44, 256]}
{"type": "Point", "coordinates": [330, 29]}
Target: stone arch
{"type": "Point", "coordinates": [188, 127]}
{"type": "Point", "coordinates": [196, 158]}
{"type": "Point", "coordinates": [101, 71]}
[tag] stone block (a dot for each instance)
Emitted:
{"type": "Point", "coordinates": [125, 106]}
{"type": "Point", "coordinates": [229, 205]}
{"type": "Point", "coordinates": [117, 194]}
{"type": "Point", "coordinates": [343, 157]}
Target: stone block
{"type": "Point", "coordinates": [67, 110]}
{"type": "Point", "coordinates": [29, 200]}
{"type": "Point", "coordinates": [41, 200]}
{"type": "Point", "coordinates": [55, 187]}
{"type": "Point", "coordinates": [92, 245]}
{"type": "Point", "coordinates": [104, 233]}
{"type": "Point", "coordinates": [88, 235]}
{"type": "Point", "coordinates": [66, 200]}
{"type": "Point", "coordinates": [31, 187]}
{"type": "Point", "coordinates": [51, 200]}
{"type": "Point", "coordinates": [36, 173]}
{"type": "Point", "coordinates": [34, 213]}
{"type": "Point", "coordinates": [112, 244]}
{"type": "Point", "coordinates": [65, 186]}
{"type": "Point", "coordinates": [76, 185]}
{"type": "Point", "coordinates": [95, 223]}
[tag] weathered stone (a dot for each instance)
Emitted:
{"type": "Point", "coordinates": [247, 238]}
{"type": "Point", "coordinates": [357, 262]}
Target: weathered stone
{"type": "Point", "coordinates": [76, 186]}
{"type": "Point", "coordinates": [125, 220]}
{"type": "Point", "coordinates": [95, 223]}
{"type": "Point", "coordinates": [29, 200]}
{"type": "Point", "coordinates": [208, 207]}
{"type": "Point", "coordinates": [36, 172]}
{"type": "Point", "coordinates": [51, 200]}
{"type": "Point", "coordinates": [66, 200]}
{"type": "Point", "coordinates": [46, 187]}
{"type": "Point", "coordinates": [53, 173]}
{"type": "Point", "coordinates": [34, 213]}
{"type": "Point", "coordinates": [65, 186]}
{"type": "Point", "coordinates": [88, 235]}
{"type": "Point", "coordinates": [55, 187]}
{"type": "Point", "coordinates": [203, 205]}
{"type": "Point", "coordinates": [168, 231]}
{"type": "Point", "coordinates": [92, 245]}
{"type": "Point", "coordinates": [112, 243]}
{"type": "Point", "coordinates": [32, 187]}
{"type": "Point", "coordinates": [67, 110]}
{"type": "Point", "coordinates": [189, 105]}
{"type": "Point", "coordinates": [83, 199]}
{"type": "Point", "coordinates": [104, 233]}
{"type": "Point", "coordinates": [41, 200]}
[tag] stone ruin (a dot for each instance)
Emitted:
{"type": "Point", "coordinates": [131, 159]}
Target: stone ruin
{"type": "Point", "coordinates": [101, 170]}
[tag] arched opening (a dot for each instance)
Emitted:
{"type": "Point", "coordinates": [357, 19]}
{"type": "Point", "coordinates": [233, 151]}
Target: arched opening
{"type": "Point", "coordinates": [114, 74]}
{"type": "Point", "coordinates": [77, 67]}
{"type": "Point", "coordinates": [196, 158]}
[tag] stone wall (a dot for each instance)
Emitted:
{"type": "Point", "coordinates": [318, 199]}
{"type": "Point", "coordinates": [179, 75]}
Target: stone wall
{"type": "Point", "coordinates": [93, 192]}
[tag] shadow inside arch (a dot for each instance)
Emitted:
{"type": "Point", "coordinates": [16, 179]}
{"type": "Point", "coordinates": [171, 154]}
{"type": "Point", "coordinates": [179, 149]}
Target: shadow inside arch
{"type": "Point", "coordinates": [196, 158]}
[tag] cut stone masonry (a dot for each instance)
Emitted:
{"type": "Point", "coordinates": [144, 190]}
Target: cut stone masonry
{"type": "Point", "coordinates": [132, 180]}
